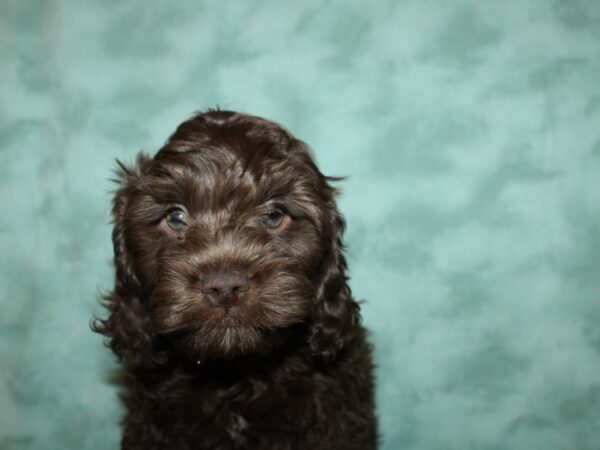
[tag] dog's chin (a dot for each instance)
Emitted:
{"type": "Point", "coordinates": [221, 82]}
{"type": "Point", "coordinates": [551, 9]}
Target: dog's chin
{"type": "Point", "coordinates": [226, 340]}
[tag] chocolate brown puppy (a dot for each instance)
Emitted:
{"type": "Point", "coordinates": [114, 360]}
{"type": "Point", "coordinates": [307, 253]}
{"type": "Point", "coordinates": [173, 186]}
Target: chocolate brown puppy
{"type": "Point", "coordinates": [231, 312]}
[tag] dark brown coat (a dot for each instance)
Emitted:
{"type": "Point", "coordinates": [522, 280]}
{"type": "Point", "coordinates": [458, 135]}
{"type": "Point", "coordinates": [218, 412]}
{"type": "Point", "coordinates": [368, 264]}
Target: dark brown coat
{"type": "Point", "coordinates": [231, 310]}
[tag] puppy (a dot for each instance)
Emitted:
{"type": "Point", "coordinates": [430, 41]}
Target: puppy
{"type": "Point", "coordinates": [231, 312]}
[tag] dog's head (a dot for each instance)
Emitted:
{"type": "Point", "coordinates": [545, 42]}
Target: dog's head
{"type": "Point", "coordinates": [224, 242]}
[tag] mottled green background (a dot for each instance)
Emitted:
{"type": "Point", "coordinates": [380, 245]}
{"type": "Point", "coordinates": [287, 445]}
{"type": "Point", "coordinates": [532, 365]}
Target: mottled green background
{"type": "Point", "coordinates": [471, 134]}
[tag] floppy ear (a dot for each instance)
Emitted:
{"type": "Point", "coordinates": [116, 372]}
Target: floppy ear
{"type": "Point", "coordinates": [126, 327]}
{"type": "Point", "coordinates": [336, 314]}
{"type": "Point", "coordinates": [125, 275]}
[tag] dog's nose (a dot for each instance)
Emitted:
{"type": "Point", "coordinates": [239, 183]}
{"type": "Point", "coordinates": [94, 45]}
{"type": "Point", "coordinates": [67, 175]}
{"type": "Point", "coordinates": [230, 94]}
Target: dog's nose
{"type": "Point", "coordinates": [224, 289]}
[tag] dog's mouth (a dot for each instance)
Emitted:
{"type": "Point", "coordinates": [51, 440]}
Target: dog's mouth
{"type": "Point", "coordinates": [192, 325]}
{"type": "Point", "coordinates": [228, 321]}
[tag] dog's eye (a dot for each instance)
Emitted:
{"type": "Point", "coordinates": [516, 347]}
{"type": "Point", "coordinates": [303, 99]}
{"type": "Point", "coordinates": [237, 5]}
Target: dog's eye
{"type": "Point", "coordinates": [176, 220]}
{"type": "Point", "coordinates": [275, 220]}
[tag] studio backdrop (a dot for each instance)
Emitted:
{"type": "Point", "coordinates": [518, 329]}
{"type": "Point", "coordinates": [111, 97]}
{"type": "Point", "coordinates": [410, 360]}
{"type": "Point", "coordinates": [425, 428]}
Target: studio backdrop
{"type": "Point", "coordinates": [469, 132]}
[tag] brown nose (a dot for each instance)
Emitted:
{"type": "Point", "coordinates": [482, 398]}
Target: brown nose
{"type": "Point", "coordinates": [224, 289]}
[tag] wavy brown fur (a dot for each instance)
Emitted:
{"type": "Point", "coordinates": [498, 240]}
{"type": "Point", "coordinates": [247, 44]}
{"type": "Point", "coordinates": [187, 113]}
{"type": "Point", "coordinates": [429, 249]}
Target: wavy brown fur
{"type": "Point", "coordinates": [288, 366]}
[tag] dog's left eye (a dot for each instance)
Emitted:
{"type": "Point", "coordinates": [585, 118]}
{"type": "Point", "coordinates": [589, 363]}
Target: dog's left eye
{"type": "Point", "coordinates": [176, 220]}
{"type": "Point", "coordinates": [274, 219]}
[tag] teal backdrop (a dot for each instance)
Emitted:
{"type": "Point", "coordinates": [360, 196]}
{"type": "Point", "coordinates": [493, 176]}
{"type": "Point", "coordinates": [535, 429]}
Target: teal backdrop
{"type": "Point", "coordinates": [470, 132]}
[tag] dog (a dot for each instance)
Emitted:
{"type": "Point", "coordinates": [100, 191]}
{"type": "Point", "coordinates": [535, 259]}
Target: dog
{"type": "Point", "coordinates": [231, 312]}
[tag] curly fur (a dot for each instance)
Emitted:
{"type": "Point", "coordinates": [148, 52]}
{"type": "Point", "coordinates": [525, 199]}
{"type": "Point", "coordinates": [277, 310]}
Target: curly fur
{"type": "Point", "coordinates": [289, 367]}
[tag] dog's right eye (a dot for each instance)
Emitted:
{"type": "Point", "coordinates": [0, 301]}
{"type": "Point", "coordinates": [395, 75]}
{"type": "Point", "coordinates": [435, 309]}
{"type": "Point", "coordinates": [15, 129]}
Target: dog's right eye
{"type": "Point", "coordinates": [176, 220]}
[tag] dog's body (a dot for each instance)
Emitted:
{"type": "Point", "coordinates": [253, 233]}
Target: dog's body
{"type": "Point", "coordinates": [231, 309]}
{"type": "Point", "coordinates": [276, 404]}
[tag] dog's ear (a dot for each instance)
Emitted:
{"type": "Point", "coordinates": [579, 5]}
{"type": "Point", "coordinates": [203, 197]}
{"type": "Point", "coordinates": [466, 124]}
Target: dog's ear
{"type": "Point", "coordinates": [126, 327]}
{"type": "Point", "coordinates": [127, 178]}
{"type": "Point", "coordinates": [336, 314]}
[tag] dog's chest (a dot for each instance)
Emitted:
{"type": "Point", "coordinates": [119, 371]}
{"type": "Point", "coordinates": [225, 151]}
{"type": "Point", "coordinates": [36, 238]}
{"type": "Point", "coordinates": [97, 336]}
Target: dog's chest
{"type": "Point", "coordinates": [237, 429]}
{"type": "Point", "coordinates": [254, 413]}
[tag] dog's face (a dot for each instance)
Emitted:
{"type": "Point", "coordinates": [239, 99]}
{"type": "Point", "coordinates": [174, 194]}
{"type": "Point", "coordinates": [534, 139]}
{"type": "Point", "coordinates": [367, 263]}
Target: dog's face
{"type": "Point", "coordinates": [226, 230]}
